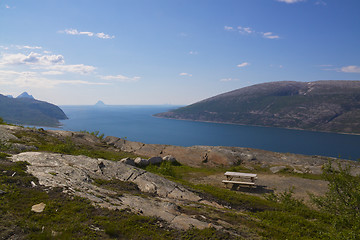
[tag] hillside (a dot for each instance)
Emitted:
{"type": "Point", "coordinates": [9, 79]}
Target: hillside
{"type": "Point", "coordinates": [76, 185]}
{"type": "Point", "coordinates": [29, 111]}
{"type": "Point", "coordinates": [319, 106]}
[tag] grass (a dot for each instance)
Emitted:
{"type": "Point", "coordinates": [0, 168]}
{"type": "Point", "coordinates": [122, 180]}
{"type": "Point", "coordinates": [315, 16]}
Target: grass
{"type": "Point", "coordinates": [47, 143]}
{"type": "Point", "coordinates": [277, 216]}
{"type": "Point", "coordinates": [67, 217]}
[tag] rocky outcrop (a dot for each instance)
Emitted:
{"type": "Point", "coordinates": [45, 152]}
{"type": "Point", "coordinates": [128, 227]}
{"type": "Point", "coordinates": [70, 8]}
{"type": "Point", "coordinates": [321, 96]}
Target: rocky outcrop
{"type": "Point", "coordinates": [76, 174]}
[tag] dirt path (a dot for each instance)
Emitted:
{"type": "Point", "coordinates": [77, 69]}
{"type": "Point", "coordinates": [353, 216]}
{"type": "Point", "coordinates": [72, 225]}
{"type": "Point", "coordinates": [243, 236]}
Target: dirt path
{"type": "Point", "coordinates": [273, 183]}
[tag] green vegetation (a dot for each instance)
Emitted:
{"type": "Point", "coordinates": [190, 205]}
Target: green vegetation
{"type": "Point", "coordinates": [283, 104]}
{"type": "Point", "coordinates": [281, 216]}
{"type": "Point", "coordinates": [67, 217]}
{"type": "Point", "coordinates": [2, 122]}
{"type": "Point", "coordinates": [47, 143]}
{"type": "Point", "coordinates": [30, 112]}
{"type": "Point", "coordinates": [275, 216]}
{"type": "Point", "coordinates": [95, 134]}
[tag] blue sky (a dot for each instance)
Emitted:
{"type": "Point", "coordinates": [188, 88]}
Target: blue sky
{"type": "Point", "coordinates": [171, 51]}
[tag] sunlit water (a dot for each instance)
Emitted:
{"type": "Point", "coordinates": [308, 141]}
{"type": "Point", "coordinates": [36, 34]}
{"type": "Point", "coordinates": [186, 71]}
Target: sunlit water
{"type": "Point", "coordinates": [136, 123]}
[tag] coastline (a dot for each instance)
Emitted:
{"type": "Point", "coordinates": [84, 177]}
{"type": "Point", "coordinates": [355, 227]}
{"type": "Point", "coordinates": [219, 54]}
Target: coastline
{"type": "Point", "coordinates": [253, 125]}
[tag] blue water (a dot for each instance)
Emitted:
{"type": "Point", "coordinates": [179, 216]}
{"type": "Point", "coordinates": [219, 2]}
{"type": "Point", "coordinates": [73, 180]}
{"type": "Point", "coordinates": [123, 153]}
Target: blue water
{"type": "Point", "coordinates": [136, 123]}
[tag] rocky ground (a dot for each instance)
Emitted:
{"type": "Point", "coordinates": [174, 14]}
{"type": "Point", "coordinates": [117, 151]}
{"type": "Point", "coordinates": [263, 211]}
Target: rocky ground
{"type": "Point", "coordinates": [149, 194]}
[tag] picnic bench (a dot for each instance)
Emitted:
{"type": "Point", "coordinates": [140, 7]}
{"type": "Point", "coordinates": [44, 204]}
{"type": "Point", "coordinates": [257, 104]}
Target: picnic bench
{"type": "Point", "coordinates": [238, 178]}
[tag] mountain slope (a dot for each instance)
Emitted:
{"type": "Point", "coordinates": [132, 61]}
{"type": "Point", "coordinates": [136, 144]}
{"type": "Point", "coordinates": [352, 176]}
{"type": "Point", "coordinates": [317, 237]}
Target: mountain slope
{"type": "Point", "coordinates": [321, 106]}
{"type": "Point", "coordinates": [30, 111]}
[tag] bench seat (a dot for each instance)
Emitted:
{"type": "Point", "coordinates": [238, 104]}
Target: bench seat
{"type": "Point", "coordinates": [237, 182]}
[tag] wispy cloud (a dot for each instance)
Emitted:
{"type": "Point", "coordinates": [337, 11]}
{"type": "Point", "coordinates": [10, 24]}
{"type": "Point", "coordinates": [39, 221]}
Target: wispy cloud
{"type": "Point", "coordinates": [228, 79]}
{"type": "Point", "coordinates": [28, 47]}
{"type": "Point", "coordinates": [193, 53]}
{"type": "Point", "coordinates": [290, 1]}
{"type": "Point", "coordinates": [34, 79]}
{"type": "Point", "coordinates": [120, 78]}
{"type": "Point", "coordinates": [47, 62]}
{"type": "Point", "coordinates": [245, 30]}
{"type": "Point", "coordinates": [89, 34]}
{"type": "Point", "coordinates": [227, 28]}
{"type": "Point", "coordinates": [350, 69]}
{"type": "Point", "coordinates": [270, 35]}
{"type": "Point", "coordinates": [249, 31]}
{"type": "Point", "coordinates": [244, 64]}
{"type": "Point", "coordinates": [185, 74]}
{"type": "Point", "coordinates": [31, 59]}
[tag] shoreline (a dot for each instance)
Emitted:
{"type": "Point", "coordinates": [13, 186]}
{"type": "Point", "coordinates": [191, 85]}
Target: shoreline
{"type": "Point", "coordinates": [239, 124]}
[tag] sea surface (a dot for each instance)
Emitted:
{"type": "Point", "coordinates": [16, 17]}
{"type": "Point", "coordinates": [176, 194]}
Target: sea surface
{"type": "Point", "coordinates": [136, 123]}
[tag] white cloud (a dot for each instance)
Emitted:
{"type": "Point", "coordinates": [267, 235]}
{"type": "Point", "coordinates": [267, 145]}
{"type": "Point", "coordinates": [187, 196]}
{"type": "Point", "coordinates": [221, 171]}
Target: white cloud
{"type": "Point", "coordinates": [350, 69]}
{"type": "Point", "coordinates": [75, 68]}
{"type": "Point", "coordinates": [121, 78]}
{"type": "Point", "coordinates": [245, 30]}
{"type": "Point", "coordinates": [27, 47]}
{"type": "Point", "coordinates": [290, 1]}
{"type": "Point", "coordinates": [185, 74]}
{"type": "Point", "coordinates": [244, 64]}
{"type": "Point", "coordinates": [34, 79]}
{"type": "Point", "coordinates": [193, 53]}
{"type": "Point", "coordinates": [7, 6]}
{"type": "Point", "coordinates": [31, 59]}
{"type": "Point", "coordinates": [227, 28]}
{"type": "Point", "coordinates": [270, 35]}
{"type": "Point", "coordinates": [90, 34]}
{"type": "Point", "coordinates": [47, 62]}
{"type": "Point", "coordinates": [104, 36]}
{"type": "Point", "coordinates": [228, 79]}
{"type": "Point", "coordinates": [250, 31]}
{"type": "Point", "coordinates": [52, 73]}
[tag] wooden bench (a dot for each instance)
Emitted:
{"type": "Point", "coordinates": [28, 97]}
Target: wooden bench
{"type": "Point", "coordinates": [237, 178]}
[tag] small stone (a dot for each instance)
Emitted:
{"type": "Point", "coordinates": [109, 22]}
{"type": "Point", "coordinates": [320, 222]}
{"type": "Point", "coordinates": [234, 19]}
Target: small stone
{"type": "Point", "coordinates": [2, 192]}
{"type": "Point", "coordinates": [38, 207]}
{"type": "Point", "coordinates": [33, 184]}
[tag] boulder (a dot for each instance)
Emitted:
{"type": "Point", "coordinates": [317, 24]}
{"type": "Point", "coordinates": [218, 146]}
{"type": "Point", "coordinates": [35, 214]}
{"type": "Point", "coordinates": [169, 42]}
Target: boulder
{"type": "Point", "coordinates": [141, 162]}
{"type": "Point", "coordinates": [155, 160]}
{"type": "Point", "coordinates": [128, 161]}
{"type": "Point", "coordinates": [169, 158]}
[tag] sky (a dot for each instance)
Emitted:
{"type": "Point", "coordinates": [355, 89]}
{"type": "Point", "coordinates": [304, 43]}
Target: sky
{"type": "Point", "coordinates": [150, 52]}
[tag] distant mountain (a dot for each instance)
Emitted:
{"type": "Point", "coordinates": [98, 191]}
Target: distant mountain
{"type": "Point", "coordinates": [100, 103]}
{"type": "Point", "coordinates": [320, 106]}
{"type": "Point", "coordinates": [28, 111]}
{"type": "Point", "coordinates": [9, 96]}
{"type": "Point", "coordinates": [25, 95]}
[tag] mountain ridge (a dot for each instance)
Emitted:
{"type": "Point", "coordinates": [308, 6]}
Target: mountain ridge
{"type": "Point", "coordinates": [327, 105]}
{"type": "Point", "coordinates": [29, 111]}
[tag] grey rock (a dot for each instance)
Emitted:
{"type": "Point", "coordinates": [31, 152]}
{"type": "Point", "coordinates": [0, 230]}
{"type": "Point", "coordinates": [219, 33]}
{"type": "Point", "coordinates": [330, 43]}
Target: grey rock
{"type": "Point", "coordinates": [111, 140]}
{"type": "Point", "coordinates": [277, 169]}
{"type": "Point", "coordinates": [169, 158]}
{"type": "Point", "coordinates": [38, 208]}
{"type": "Point", "coordinates": [128, 161]}
{"type": "Point", "coordinates": [141, 162]}
{"type": "Point", "coordinates": [75, 173]}
{"type": "Point", "coordinates": [155, 160]}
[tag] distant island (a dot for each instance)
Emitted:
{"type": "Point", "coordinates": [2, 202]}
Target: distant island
{"type": "Point", "coordinates": [100, 103]}
{"type": "Point", "coordinates": [26, 110]}
{"type": "Point", "coordinates": [332, 106]}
